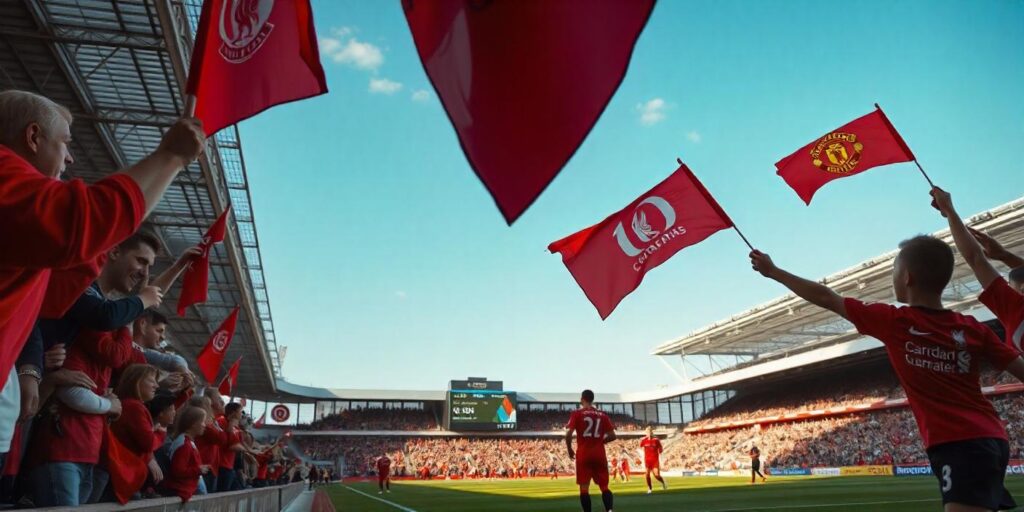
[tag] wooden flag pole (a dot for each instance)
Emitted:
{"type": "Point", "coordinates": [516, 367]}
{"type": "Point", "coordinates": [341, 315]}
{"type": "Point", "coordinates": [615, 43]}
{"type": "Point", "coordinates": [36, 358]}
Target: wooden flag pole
{"type": "Point", "coordinates": [190, 105]}
{"type": "Point", "coordinates": [924, 173]}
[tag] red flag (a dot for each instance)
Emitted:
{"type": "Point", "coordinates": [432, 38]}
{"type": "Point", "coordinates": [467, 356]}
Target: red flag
{"type": "Point", "coordinates": [227, 384]}
{"type": "Point", "coordinates": [195, 282]}
{"type": "Point", "coordinates": [524, 82]}
{"type": "Point", "coordinates": [259, 423]}
{"type": "Point", "coordinates": [212, 355]}
{"type": "Point", "coordinates": [251, 55]}
{"type": "Point", "coordinates": [127, 469]}
{"type": "Point", "coordinates": [853, 148]}
{"type": "Point", "coordinates": [609, 259]}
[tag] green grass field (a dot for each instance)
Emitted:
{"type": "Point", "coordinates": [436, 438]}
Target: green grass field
{"type": "Point", "coordinates": [691, 494]}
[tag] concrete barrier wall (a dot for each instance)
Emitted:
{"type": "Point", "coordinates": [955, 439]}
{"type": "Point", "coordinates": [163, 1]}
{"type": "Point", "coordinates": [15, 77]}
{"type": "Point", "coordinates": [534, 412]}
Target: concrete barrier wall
{"type": "Point", "coordinates": [269, 499]}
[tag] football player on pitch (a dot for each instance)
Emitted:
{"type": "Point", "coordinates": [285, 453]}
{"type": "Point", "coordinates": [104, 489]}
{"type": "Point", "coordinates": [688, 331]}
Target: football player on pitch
{"type": "Point", "coordinates": [652, 453]}
{"type": "Point", "coordinates": [593, 430]}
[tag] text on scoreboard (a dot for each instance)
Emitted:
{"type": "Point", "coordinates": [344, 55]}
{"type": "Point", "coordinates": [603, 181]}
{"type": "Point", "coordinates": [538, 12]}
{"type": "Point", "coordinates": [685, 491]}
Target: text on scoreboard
{"type": "Point", "coordinates": [481, 410]}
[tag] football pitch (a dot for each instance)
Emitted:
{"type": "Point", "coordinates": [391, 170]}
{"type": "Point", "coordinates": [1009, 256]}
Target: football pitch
{"type": "Point", "coordinates": [690, 494]}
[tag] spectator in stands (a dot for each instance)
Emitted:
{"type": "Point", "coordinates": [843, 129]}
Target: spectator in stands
{"type": "Point", "coordinates": [61, 224]}
{"type": "Point", "coordinates": [134, 428]}
{"type": "Point", "coordinates": [228, 422]}
{"type": "Point", "coordinates": [186, 467]}
{"type": "Point", "coordinates": [213, 438]}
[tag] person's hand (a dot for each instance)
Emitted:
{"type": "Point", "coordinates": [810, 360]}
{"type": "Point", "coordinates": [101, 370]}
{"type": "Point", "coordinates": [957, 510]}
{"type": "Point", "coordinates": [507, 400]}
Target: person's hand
{"type": "Point", "coordinates": [29, 396]}
{"type": "Point", "coordinates": [762, 263]}
{"type": "Point", "coordinates": [54, 358]}
{"type": "Point", "coordinates": [186, 257]}
{"type": "Point", "coordinates": [185, 140]}
{"type": "Point", "coordinates": [943, 202]}
{"type": "Point", "coordinates": [172, 382]}
{"type": "Point", "coordinates": [156, 472]}
{"type": "Point", "coordinates": [188, 380]}
{"type": "Point", "coordinates": [159, 428]}
{"type": "Point", "coordinates": [151, 296]}
{"type": "Point", "coordinates": [115, 404]}
{"type": "Point", "coordinates": [65, 377]}
{"type": "Point", "coordinates": [993, 249]}
{"type": "Point", "coordinates": [572, 454]}
{"type": "Point", "coordinates": [204, 469]}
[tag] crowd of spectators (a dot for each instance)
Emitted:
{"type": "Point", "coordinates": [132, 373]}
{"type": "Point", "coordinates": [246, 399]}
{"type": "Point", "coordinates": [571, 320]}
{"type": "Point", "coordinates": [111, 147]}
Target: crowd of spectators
{"type": "Point", "coordinates": [378, 419]}
{"type": "Point", "coordinates": [556, 420]}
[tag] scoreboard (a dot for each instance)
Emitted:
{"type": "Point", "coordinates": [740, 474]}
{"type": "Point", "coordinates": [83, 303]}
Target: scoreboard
{"type": "Point", "coordinates": [480, 410]}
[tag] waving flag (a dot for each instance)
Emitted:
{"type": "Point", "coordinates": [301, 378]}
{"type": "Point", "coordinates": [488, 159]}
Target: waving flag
{"type": "Point", "coordinates": [212, 355]}
{"type": "Point", "coordinates": [228, 383]}
{"type": "Point", "coordinates": [195, 282]}
{"type": "Point", "coordinates": [260, 422]}
{"type": "Point", "coordinates": [251, 55]}
{"type": "Point", "coordinates": [609, 259]}
{"type": "Point", "coordinates": [853, 148]}
{"type": "Point", "coordinates": [523, 82]}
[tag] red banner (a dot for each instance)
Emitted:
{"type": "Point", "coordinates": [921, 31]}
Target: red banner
{"type": "Point", "coordinates": [228, 383]}
{"type": "Point", "coordinates": [251, 55]}
{"type": "Point", "coordinates": [212, 355]}
{"type": "Point", "coordinates": [853, 148]}
{"type": "Point", "coordinates": [524, 82]}
{"type": "Point", "coordinates": [610, 259]}
{"type": "Point", "coordinates": [195, 283]}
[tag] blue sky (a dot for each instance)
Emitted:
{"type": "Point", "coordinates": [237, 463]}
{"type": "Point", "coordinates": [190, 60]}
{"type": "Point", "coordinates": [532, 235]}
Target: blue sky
{"type": "Point", "coordinates": [388, 265]}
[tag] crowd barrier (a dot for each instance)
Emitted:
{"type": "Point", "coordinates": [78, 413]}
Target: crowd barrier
{"type": "Point", "coordinates": [268, 499]}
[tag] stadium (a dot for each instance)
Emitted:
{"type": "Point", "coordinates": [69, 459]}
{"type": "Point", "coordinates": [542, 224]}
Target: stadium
{"type": "Point", "coordinates": [816, 399]}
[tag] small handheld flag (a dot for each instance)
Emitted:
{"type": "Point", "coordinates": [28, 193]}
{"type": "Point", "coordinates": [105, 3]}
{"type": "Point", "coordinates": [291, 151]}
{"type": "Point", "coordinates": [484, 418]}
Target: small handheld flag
{"type": "Point", "coordinates": [212, 355]}
{"type": "Point", "coordinates": [228, 383]}
{"type": "Point", "coordinates": [195, 282]}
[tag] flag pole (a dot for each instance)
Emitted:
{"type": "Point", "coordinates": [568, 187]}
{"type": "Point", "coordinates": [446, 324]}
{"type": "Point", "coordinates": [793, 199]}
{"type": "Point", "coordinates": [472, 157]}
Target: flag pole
{"type": "Point", "coordinates": [924, 173]}
{"type": "Point", "coordinates": [190, 105]}
{"type": "Point", "coordinates": [726, 215]}
{"type": "Point", "coordinates": [900, 139]}
{"type": "Point", "coordinates": [738, 232]}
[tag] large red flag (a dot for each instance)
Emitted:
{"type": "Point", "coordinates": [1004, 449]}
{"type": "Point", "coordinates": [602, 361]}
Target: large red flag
{"type": "Point", "coordinates": [195, 282]}
{"type": "Point", "coordinates": [227, 384]}
{"type": "Point", "coordinates": [251, 55]}
{"type": "Point", "coordinates": [212, 355]}
{"type": "Point", "coordinates": [853, 148]}
{"type": "Point", "coordinates": [127, 469]}
{"type": "Point", "coordinates": [524, 82]}
{"type": "Point", "coordinates": [610, 259]}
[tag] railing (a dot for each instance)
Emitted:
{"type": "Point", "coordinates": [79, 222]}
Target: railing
{"type": "Point", "coordinates": [268, 499]}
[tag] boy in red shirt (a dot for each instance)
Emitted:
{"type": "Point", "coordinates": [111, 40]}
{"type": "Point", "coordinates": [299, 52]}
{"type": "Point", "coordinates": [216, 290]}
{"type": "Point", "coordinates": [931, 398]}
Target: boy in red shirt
{"type": "Point", "coordinates": [593, 430]}
{"type": "Point", "coordinates": [1005, 300]}
{"type": "Point", "coordinates": [936, 355]}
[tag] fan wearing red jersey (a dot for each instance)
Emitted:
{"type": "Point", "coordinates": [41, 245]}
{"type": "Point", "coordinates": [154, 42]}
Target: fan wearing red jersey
{"type": "Point", "coordinates": [1005, 300]}
{"type": "Point", "coordinates": [384, 474]}
{"type": "Point", "coordinates": [937, 355]}
{"type": "Point", "coordinates": [652, 458]}
{"type": "Point", "coordinates": [593, 430]}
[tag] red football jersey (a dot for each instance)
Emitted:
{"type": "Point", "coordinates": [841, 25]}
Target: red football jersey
{"type": "Point", "coordinates": [383, 465]}
{"type": "Point", "coordinates": [936, 356]}
{"type": "Point", "coordinates": [1008, 306]}
{"type": "Point", "coordinates": [590, 426]}
{"type": "Point", "coordinates": [652, 448]}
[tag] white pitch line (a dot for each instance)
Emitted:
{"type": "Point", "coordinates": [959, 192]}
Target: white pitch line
{"type": "Point", "coordinates": [821, 505]}
{"type": "Point", "coordinates": [372, 497]}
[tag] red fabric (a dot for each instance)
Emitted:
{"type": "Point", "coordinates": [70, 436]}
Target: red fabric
{"type": "Point", "coordinates": [209, 445]}
{"type": "Point", "coordinates": [383, 466]}
{"type": "Point", "coordinates": [247, 60]}
{"type": "Point", "coordinates": [134, 428]}
{"type": "Point", "coordinates": [590, 426]}
{"type": "Point", "coordinates": [231, 438]}
{"type": "Point", "coordinates": [937, 357]}
{"type": "Point", "coordinates": [12, 463]}
{"type": "Point", "coordinates": [67, 285]}
{"type": "Point", "coordinates": [127, 467]}
{"type": "Point", "coordinates": [263, 462]}
{"type": "Point", "coordinates": [1008, 306]}
{"type": "Point", "coordinates": [195, 282]}
{"type": "Point", "coordinates": [228, 383]}
{"type": "Point", "coordinates": [56, 225]}
{"type": "Point", "coordinates": [861, 144]}
{"type": "Point", "coordinates": [652, 450]}
{"type": "Point", "coordinates": [524, 82]}
{"type": "Point", "coordinates": [212, 355]}
{"type": "Point", "coordinates": [259, 422]}
{"type": "Point", "coordinates": [183, 476]}
{"type": "Point", "coordinates": [159, 437]}
{"type": "Point", "coordinates": [611, 258]}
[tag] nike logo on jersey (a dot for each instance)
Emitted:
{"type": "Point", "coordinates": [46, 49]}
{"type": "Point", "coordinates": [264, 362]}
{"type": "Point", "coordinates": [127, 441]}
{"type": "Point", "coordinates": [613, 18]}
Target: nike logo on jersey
{"type": "Point", "coordinates": [915, 332]}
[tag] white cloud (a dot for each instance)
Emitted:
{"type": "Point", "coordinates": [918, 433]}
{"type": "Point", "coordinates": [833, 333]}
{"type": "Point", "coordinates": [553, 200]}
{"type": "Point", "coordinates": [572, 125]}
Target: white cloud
{"type": "Point", "coordinates": [384, 86]}
{"type": "Point", "coordinates": [652, 112]}
{"type": "Point", "coordinates": [421, 95]}
{"type": "Point", "coordinates": [693, 136]}
{"type": "Point", "coordinates": [352, 52]}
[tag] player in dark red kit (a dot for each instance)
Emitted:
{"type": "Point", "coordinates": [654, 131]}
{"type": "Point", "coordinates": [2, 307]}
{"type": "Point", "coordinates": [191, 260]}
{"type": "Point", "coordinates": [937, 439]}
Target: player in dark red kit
{"type": "Point", "coordinates": [755, 465]}
{"type": "Point", "coordinates": [937, 355]}
{"type": "Point", "coordinates": [383, 474]}
{"type": "Point", "coordinates": [652, 458]}
{"type": "Point", "coordinates": [593, 430]}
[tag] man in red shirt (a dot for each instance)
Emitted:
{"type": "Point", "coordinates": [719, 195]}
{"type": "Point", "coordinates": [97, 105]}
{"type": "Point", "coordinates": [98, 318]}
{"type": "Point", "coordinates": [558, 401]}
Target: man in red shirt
{"type": "Point", "coordinates": [593, 430]}
{"type": "Point", "coordinates": [1005, 300]}
{"type": "Point", "coordinates": [384, 474]}
{"type": "Point", "coordinates": [936, 354]}
{"type": "Point", "coordinates": [652, 458]}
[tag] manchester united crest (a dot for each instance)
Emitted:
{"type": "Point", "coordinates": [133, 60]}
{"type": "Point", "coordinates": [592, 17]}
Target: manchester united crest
{"type": "Point", "coordinates": [837, 153]}
{"type": "Point", "coordinates": [244, 28]}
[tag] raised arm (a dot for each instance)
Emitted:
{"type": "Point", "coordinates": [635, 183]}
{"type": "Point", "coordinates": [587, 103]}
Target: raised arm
{"type": "Point", "coordinates": [165, 280]}
{"type": "Point", "coordinates": [969, 248]}
{"type": "Point", "coordinates": [182, 144]}
{"type": "Point", "coordinates": [995, 251]}
{"type": "Point", "coordinates": [813, 292]}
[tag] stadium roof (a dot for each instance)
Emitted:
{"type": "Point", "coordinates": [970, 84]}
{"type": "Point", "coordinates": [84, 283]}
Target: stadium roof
{"type": "Point", "coordinates": [119, 65]}
{"type": "Point", "coordinates": [788, 325]}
